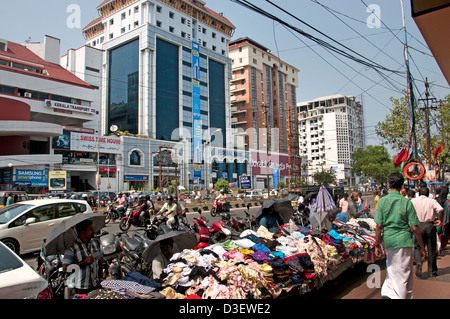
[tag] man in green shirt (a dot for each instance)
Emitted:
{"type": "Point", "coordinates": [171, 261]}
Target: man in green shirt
{"type": "Point", "coordinates": [395, 218]}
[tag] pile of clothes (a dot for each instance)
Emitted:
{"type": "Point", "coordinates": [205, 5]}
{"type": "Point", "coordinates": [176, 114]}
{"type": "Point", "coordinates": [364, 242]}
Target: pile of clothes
{"type": "Point", "coordinates": [257, 265]}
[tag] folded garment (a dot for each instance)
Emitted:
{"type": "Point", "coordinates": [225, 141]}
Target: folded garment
{"type": "Point", "coordinates": [122, 286]}
{"type": "Point", "coordinates": [244, 243]}
{"type": "Point", "coordinates": [259, 256]}
{"type": "Point", "coordinates": [260, 247]}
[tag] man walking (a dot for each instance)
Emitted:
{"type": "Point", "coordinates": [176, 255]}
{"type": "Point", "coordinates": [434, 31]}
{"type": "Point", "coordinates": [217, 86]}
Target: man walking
{"type": "Point", "coordinates": [395, 218]}
{"type": "Point", "coordinates": [427, 209]}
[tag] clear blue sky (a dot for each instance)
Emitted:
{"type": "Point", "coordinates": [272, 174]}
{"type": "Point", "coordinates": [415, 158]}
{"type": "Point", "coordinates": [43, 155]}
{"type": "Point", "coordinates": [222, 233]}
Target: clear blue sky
{"type": "Point", "coordinates": [321, 73]}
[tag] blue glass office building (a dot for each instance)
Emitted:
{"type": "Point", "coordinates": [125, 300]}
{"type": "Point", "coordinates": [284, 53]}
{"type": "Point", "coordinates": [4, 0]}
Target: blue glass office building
{"type": "Point", "coordinates": [148, 63]}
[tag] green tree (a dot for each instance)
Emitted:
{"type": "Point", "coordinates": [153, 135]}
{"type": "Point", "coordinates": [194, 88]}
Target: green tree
{"type": "Point", "coordinates": [221, 184]}
{"type": "Point", "coordinates": [375, 162]}
{"type": "Point", "coordinates": [325, 176]}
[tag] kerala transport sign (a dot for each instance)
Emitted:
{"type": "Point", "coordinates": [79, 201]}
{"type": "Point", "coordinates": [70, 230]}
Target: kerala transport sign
{"type": "Point", "coordinates": [70, 107]}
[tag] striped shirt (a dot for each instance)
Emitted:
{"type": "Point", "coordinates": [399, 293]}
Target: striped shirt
{"type": "Point", "coordinates": [85, 277]}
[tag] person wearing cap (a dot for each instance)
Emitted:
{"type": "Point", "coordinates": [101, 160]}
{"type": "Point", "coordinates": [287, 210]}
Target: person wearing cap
{"type": "Point", "coordinates": [169, 210]}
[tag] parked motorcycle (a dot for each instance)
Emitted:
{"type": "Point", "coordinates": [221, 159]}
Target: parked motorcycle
{"type": "Point", "coordinates": [132, 248]}
{"type": "Point", "coordinates": [218, 208]}
{"type": "Point", "coordinates": [156, 227]}
{"type": "Point", "coordinates": [219, 232]}
{"type": "Point", "coordinates": [110, 246]}
{"type": "Point", "coordinates": [301, 215]}
{"type": "Point", "coordinates": [50, 268]}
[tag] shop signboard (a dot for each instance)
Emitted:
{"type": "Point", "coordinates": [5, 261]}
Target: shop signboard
{"type": "Point", "coordinates": [135, 178]}
{"type": "Point", "coordinates": [91, 143]}
{"type": "Point", "coordinates": [70, 107]}
{"type": "Point", "coordinates": [33, 178]}
{"type": "Point", "coordinates": [245, 182]}
{"type": "Point", "coordinates": [263, 163]}
{"type": "Point", "coordinates": [57, 181]}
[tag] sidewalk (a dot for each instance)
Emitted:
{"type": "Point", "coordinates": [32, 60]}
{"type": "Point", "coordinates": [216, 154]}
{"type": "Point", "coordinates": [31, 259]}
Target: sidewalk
{"type": "Point", "coordinates": [425, 288]}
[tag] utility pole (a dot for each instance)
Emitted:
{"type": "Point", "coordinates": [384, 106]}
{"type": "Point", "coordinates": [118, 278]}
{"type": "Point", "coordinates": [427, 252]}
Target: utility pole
{"type": "Point", "coordinates": [427, 119]}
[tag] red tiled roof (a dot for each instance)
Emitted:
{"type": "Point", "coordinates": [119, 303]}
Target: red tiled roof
{"type": "Point", "coordinates": [92, 23]}
{"type": "Point", "coordinates": [20, 54]}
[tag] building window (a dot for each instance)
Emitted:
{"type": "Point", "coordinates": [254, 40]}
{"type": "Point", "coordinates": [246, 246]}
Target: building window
{"type": "Point", "coordinates": [158, 9]}
{"type": "Point", "coordinates": [171, 15]}
{"type": "Point", "coordinates": [136, 158]}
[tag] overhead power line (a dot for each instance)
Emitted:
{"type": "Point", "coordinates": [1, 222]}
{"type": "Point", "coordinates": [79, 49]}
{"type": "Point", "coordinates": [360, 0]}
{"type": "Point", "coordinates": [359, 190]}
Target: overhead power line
{"type": "Point", "coordinates": [362, 60]}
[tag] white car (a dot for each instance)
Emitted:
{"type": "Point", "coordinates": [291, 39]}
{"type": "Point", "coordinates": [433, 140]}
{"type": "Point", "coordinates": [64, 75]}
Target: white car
{"type": "Point", "coordinates": [17, 279]}
{"type": "Point", "coordinates": [254, 194]}
{"type": "Point", "coordinates": [24, 225]}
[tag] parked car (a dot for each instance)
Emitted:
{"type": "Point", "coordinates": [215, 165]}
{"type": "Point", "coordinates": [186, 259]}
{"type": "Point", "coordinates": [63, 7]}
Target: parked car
{"type": "Point", "coordinates": [254, 194]}
{"type": "Point", "coordinates": [24, 225]}
{"type": "Point", "coordinates": [17, 279]}
{"type": "Point", "coordinates": [21, 196]}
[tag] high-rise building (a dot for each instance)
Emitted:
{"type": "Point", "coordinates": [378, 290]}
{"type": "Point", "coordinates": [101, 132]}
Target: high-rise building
{"type": "Point", "coordinates": [331, 128]}
{"type": "Point", "coordinates": [263, 102]}
{"type": "Point", "coordinates": [166, 75]}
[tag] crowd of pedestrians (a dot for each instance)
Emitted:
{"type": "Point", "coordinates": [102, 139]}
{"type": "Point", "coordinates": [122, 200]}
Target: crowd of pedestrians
{"type": "Point", "coordinates": [412, 227]}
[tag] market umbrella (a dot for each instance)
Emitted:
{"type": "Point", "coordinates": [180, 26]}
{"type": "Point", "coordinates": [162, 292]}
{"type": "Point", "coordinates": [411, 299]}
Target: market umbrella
{"type": "Point", "coordinates": [65, 234]}
{"type": "Point", "coordinates": [283, 207]}
{"type": "Point", "coordinates": [181, 240]}
{"type": "Point", "coordinates": [324, 205]}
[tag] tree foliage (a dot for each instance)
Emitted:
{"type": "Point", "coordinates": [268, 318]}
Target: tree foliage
{"type": "Point", "coordinates": [375, 162]}
{"type": "Point", "coordinates": [221, 184]}
{"type": "Point", "coordinates": [325, 176]}
{"type": "Point", "coordinates": [396, 128]}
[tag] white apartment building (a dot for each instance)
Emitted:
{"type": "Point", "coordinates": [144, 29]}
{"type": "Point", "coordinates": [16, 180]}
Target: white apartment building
{"type": "Point", "coordinates": [40, 100]}
{"type": "Point", "coordinates": [331, 128]}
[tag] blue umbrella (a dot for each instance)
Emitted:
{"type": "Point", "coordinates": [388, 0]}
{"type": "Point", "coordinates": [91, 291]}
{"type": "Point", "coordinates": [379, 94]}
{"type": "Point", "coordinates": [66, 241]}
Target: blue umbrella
{"type": "Point", "coordinates": [324, 205]}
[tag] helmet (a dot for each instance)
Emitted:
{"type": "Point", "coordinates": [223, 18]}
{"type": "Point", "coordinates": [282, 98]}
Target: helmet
{"type": "Point", "coordinates": [84, 196]}
{"type": "Point", "coordinates": [170, 197]}
{"type": "Point", "coordinates": [221, 191]}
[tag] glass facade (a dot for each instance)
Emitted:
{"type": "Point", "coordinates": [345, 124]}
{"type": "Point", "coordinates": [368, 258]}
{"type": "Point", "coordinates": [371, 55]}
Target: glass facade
{"type": "Point", "coordinates": [123, 87]}
{"type": "Point", "coordinates": [167, 91]}
{"type": "Point", "coordinates": [217, 97]}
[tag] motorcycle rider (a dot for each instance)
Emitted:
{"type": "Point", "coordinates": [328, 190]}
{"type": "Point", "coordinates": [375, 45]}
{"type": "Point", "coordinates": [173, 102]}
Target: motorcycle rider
{"type": "Point", "coordinates": [221, 199]}
{"type": "Point", "coordinates": [146, 210]}
{"type": "Point", "coordinates": [169, 210]}
{"type": "Point", "coordinates": [120, 203]}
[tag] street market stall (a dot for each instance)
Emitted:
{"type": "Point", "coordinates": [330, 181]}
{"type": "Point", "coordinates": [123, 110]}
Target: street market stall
{"type": "Point", "coordinates": [257, 265]}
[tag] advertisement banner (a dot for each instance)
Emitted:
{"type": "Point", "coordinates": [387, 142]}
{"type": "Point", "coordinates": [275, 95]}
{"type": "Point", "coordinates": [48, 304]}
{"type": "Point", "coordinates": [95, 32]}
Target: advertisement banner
{"type": "Point", "coordinates": [34, 178]}
{"type": "Point", "coordinates": [276, 177]}
{"type": "Point", "coordinates": [89, 143]}
{"type": "Point", "coordinates": [57, 180]}
{"type": "Point", "coordinates": [245, 182]}
{"type": "Point", "coordinates": [196, 120]}
{"type": "Point", "coordinates": [263, 164]}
